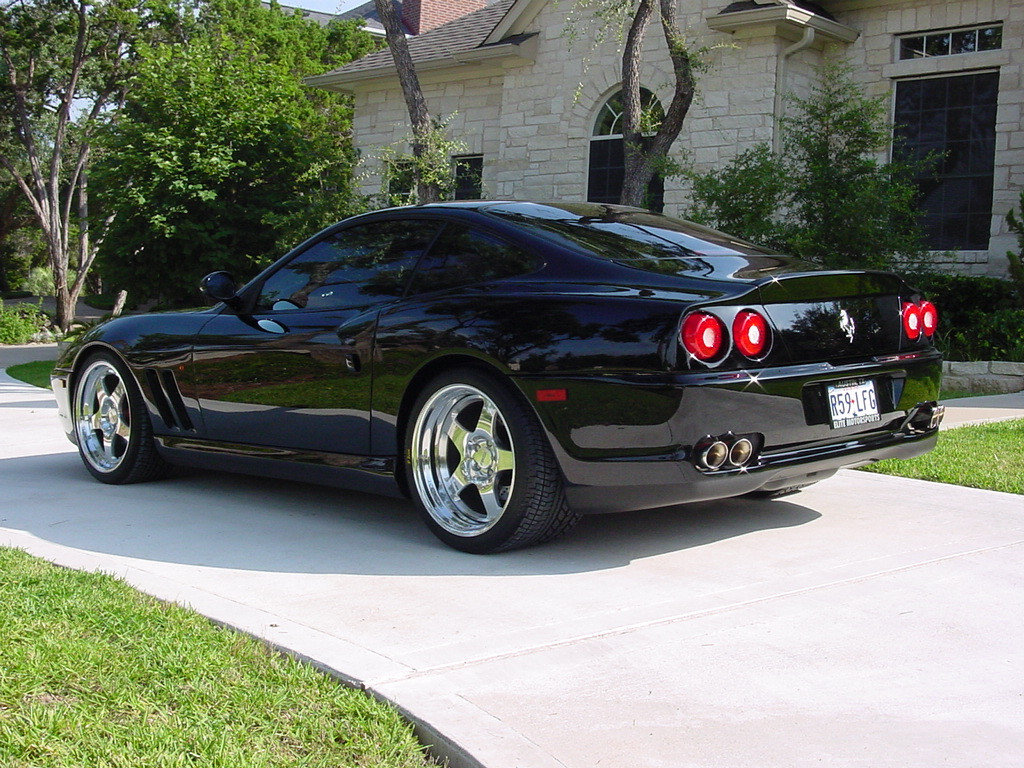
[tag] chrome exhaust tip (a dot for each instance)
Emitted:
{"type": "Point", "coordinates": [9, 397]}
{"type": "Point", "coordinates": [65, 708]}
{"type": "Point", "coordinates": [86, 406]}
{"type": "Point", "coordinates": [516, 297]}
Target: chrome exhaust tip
{"type": "Point", "coordinates": [741, 452]}
{"type": "Point", "coordinates": [923, 417]}
{"type": "Point", "coordinates": [715, 455]}
{"type": "Point", "coordinates": [726, 452]}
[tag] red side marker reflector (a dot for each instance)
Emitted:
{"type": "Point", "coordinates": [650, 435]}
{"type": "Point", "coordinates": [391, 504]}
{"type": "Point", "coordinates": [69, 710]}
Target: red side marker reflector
{"type": "Point", "coordinates": [552, 395]}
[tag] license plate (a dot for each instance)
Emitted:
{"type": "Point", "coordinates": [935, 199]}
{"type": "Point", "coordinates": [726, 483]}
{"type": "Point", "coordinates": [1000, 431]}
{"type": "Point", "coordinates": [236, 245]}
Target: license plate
{"type": "Point", "coordinates": [851, 403]}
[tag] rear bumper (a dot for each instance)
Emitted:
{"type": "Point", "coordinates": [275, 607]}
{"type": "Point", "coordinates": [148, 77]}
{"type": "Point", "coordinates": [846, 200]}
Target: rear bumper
{"type": "Point", "coordinates": [622, 486]}
{"type": "Point", "coordinates": [633, 441]}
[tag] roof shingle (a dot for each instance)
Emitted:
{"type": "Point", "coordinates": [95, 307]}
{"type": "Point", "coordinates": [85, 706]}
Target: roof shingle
{"type": "Point", "coordinates": [463, 34]}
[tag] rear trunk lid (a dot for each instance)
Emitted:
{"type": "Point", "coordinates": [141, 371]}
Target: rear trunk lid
{"type": "Point", "coordinates": [836, 315]}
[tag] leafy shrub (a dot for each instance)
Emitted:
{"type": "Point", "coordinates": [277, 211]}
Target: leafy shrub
{"type": "Point", "coordinates": [21, 323]}
{"type": "Point", "coordinates": [958, 297]}
{"type": "Point", "coordinates": [996, 335]}
{"type": "Point", "coordinates": [39, 282]}
{"type": "Point", "coordinates": [979, 317]}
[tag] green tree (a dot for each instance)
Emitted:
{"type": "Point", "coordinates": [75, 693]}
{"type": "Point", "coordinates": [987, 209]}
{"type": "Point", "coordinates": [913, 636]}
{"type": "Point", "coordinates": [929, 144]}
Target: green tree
{"type": "Point", "coordinates": [827, 197]}
{"type": "Point", "coordinates": [222, 157]}
{"type": "Point", "coordinates": [647, 136]}
{"type": "Point", "coordinates": [849, 209]}
{"type": "Point", "coordinates": [64, 65]}
{"type": "Point", "coordinates": [15, 246]}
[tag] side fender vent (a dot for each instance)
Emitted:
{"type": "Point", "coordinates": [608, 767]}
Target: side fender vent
{"type": "Point", "coordinates": [167, 399]}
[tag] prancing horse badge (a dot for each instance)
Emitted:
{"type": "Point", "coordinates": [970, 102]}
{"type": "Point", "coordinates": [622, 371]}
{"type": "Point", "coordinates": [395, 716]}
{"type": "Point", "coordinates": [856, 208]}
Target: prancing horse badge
{"type": "Point", "coordinates": [847, 325]}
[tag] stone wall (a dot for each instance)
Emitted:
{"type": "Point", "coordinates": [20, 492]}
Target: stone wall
{"type": "Point", "coordinates": [533, 122]}
{"type": "Point", "coordinates": [992, 377]}
{"type": "Point", "coordinates": [473, 106]}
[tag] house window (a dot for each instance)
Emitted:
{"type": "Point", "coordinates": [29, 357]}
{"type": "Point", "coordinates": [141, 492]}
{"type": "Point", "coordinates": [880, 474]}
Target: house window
{"type": "Point", "coordinates": [952, 42]}
{"type": "Point", "coordinates": [469, 171]}
{"type": "Point", "coordinates": [947, 126]}
{"type": "Point", "coordinates": [607, 167]}
{"type": "Point", "coordinates": [401, 181]}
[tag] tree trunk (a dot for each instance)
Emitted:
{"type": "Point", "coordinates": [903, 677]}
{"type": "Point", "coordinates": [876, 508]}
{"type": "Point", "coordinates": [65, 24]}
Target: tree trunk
{"type": "Point", "coordinates": [419, 116]}
{"type": "Point", "coordinates": [636, 175]}
{"type": "Point", "coordinates": [643, 157]}
{"type": "Point", "coordinates": [61, 295]}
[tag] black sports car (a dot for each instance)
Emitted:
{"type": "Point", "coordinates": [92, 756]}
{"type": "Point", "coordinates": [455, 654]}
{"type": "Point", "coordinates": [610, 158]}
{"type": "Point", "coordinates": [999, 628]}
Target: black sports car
{"type": "Point", "coordinates": [511, 366]}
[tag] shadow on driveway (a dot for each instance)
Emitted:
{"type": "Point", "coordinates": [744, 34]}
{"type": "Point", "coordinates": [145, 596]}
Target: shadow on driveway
{"type": "Point", "coordinates": [255, 524]}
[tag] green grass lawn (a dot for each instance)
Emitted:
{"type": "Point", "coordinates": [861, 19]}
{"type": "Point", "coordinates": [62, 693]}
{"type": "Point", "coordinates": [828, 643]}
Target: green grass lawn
{"type": "Point", "coordinates": [989, 456]}
{"type": "Point", "coordinates": [94, 673]}
{"type": "Point", "coordinates": [37, 374]}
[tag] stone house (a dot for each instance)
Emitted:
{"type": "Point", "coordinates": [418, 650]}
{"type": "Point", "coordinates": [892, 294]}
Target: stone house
{"type": "Point", "coordinates": [536, 107]}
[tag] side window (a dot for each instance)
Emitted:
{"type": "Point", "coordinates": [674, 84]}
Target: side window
{"type": "Point", "coordinates": [464, 257]}
{"type": "Point", "coordinates": [355, 267]}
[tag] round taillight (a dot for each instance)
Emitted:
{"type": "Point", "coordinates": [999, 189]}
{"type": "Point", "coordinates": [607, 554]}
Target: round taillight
{"type": "Point", "coordinates": [929, 318]}
{"type": "Point", "coordinates": [750, 333]}
{"type": "Point", "coordinates": [911, 320]}
{"type": "Point", "coordinates": [703, 335]}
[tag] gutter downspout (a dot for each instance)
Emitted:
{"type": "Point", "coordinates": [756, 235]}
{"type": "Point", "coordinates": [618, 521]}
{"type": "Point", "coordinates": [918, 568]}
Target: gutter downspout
{"type": "Point", "coordinates": [780, 80]}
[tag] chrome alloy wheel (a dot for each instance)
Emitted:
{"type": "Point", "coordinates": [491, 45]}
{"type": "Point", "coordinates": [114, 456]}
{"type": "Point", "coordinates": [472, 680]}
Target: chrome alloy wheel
{"type": "Point", "coordinates": [463, 462]}
{"type": "Point", "coordinates": [103, 416]}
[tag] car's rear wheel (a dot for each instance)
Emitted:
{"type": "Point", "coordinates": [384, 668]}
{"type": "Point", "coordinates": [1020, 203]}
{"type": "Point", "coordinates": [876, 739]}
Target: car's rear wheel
{"type": "Point", "coordinates": [112, 427]}
{"type": "Point", "coordinates": [480, 468]}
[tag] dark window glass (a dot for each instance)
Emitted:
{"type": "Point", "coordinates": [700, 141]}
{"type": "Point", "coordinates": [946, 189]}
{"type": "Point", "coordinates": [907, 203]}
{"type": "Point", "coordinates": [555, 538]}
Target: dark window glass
{"type": "Point", "coordinates": [359, 266]}
{"type": "Point", "coordinates": [464, 257]}
{"type": "Point", "coordinates": [607, 169]}
{"type": "Point", "coordinates": [949, 122]}
{"type": "Point", "coordinates": [952, 43]}
{"type": "Point", "coordinates": [469, 171]}
{"type": "Point", "coordinates": [401, 179]}
{"type": "Point", "coordinates": [990, 39]}
{"type": "Point", "coordinates": [965, 42]}
{"type": "Point", "coordinates": [937, 45]}
{"type": "Point", "coordinates": [607, 166]}
{"type": "Point", "coordinates": [911, 47]}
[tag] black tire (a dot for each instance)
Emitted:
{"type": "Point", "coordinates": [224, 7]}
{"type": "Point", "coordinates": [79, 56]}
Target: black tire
{"type": "Point", "coordinates": [479, 466]}
{"type": "Point", "coordinates": [112, 426]}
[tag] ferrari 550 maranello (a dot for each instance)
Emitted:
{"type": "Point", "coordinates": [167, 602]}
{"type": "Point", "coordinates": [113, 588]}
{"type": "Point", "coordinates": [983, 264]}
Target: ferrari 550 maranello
{"type": "Point", "coordinates": [512, 366]}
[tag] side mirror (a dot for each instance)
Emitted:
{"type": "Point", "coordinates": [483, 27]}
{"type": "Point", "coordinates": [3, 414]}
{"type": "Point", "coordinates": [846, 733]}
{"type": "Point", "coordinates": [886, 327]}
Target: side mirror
{"type": "Point", "coordinates": [220, 286]}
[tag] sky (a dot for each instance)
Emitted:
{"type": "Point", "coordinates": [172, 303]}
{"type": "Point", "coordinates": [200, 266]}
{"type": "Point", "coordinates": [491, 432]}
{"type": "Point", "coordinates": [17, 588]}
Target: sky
{"type": "Point", "coordinates": [325, 6]}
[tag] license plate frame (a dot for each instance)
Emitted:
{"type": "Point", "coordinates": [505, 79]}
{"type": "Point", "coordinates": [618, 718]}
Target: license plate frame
{"type": "Point", "coordinates": [852, 402]}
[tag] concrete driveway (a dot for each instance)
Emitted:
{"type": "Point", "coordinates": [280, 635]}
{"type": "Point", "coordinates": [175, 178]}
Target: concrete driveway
{"type": "Point", "coordinates": [868, 621]}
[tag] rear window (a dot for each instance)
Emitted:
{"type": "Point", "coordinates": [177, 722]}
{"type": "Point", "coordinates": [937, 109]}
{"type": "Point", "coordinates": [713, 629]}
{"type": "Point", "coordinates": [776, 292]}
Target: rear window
{"type": "Point", "coordinates": [639, 239]}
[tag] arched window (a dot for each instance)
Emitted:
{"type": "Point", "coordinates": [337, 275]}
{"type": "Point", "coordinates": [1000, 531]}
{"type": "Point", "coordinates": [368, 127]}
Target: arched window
{"type": "Point", "coordinates": [607, 152]}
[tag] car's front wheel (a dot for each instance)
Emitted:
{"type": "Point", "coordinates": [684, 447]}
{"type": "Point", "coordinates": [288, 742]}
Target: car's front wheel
{"type": "Point", "coordinates": [480, 468]}
{"type": "Point", "coordinates": [112, 427]}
